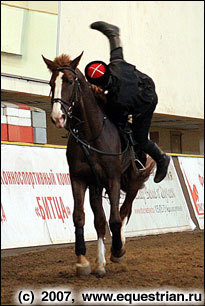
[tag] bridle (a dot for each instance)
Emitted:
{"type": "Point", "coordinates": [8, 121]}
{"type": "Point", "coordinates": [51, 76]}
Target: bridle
{"type": "Point", "coordinates": [68, 113]}
{"type": "Point", "coordinates": [74, 96]}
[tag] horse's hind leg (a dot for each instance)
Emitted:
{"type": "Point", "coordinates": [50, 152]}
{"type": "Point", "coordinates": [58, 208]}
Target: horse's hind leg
{"type": "Point", "coordinates": [115, 222]}
{"type": "Point", "coordinates": [83, 265]}
{"type": "Point", "coordinates": [100, 226]}
{"type": "Point", "coordinates": [125, 211]}
{"type": "Point", "coordinates": [131, 191]}
{"type": "Point", "coordinates": [135, 183]}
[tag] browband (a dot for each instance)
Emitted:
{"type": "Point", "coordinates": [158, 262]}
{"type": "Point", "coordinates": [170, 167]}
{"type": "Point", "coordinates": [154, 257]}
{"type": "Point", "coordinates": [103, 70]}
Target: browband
{"type": "Point", "coordinates": [65, 68]}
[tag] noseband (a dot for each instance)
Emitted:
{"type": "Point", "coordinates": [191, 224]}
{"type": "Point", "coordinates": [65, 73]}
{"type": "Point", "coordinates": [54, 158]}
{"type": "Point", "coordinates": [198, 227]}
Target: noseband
{"type": "Point", "coordinates": [74, 97]}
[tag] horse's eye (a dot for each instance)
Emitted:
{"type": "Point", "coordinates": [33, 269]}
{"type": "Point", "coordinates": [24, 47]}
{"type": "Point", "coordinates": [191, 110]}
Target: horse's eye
{"type": "Point", "coordinates": [70, 82]}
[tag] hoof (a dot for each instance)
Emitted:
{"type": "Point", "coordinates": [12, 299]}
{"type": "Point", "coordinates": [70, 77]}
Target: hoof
{"type": "Point", "coordinates": [83, 269]}
{"type": "Point", "coordinates": [99, 272]}
{"type": "Point", "coordinates": [117, 254]}
{"type": "Point", "coordinates": [116, 259]}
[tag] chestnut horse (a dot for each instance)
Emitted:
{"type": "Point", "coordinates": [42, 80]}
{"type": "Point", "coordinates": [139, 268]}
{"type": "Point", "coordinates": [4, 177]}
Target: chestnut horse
{"type": "Point", "coordinates": [95, 160]}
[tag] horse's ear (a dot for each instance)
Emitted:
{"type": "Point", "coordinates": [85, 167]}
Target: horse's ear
{"type": "Point", "coordinates": [51, 66]}
{"type": "Point", "coordinates": [76, 61]}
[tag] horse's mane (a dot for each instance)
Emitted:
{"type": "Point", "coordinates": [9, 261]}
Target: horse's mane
{"type": "Point", "coordinates": [62, 60]}
{"type": "Point", "coordinates": [98, 93]}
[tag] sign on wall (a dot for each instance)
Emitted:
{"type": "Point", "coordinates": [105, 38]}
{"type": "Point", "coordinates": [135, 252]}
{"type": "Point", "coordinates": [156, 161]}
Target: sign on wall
{"type": "Point", "coordinates": [193, 173]}
{"type": "Point", "coordinates": [159, 208]}
{"type": "Point", "coordinates": [37, 202]}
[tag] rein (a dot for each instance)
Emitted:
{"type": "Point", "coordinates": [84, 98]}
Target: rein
{"type": "Point", "coordinates": [71, 103]}
{"type": "Point", "coordinates": [94, 149]}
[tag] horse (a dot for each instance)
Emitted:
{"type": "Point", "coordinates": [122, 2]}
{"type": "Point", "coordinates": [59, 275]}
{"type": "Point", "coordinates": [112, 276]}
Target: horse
{"type": "Point", "coordinates": [95, 158]}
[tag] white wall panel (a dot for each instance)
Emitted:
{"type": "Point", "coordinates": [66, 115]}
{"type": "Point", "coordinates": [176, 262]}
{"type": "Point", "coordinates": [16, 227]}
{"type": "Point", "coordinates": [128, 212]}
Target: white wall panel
{"type": "Point", "coordinates": [164, 39]}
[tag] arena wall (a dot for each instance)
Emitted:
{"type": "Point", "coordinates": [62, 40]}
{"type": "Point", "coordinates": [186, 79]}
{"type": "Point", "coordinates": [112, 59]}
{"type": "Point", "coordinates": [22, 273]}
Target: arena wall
{"type": "Point", "coordinates": [37, 201]}
{"type": "Point", "coordinates": [31, 32]}
{"type": "Point", "coordinates": [164, 39]}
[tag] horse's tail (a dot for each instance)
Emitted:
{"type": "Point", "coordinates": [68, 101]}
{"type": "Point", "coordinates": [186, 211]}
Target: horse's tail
{"type": "Point", "coordinates": [144, 175]}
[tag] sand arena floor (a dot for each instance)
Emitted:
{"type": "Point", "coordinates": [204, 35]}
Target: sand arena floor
{"type": "Point", "coordinates": [174, 260]}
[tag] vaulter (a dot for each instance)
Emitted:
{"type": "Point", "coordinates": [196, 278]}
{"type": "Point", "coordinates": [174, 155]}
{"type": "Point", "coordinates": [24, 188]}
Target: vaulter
{"type": "Point", "coordinates": [129, 92]}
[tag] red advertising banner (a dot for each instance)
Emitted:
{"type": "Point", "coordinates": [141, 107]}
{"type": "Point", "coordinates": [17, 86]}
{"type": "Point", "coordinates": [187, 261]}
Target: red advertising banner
{"type": "Point", "coordinates": [193, 172]}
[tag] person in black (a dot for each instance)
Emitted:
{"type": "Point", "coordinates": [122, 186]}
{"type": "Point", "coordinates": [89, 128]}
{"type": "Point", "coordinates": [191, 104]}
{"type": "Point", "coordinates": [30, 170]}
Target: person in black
{"type": "Point", "coordinates": [130, 92]}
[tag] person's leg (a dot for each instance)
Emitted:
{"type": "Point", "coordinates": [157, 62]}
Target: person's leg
{"type": "Point", "coordinates": [141, 126]}
{"type": "Point", "coordinates": [116, 54]}
{"type": "Point", "coordinates": [113, 34]}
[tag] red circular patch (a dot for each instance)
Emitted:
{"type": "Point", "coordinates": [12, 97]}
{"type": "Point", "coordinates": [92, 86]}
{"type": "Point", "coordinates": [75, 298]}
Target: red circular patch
{"type": "Point", "coordinates": [96, 70]}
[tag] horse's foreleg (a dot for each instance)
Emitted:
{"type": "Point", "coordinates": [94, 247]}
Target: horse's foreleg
{"type": "Point", "coordinates": [100, 226]}
{"type": "Point", "coordinates": [115, 221]}
{"type": "Point", "coordinates": [83, 265]}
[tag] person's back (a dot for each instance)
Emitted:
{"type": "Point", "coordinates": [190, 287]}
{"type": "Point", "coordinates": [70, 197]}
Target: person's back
{"type": "Point", "coordinates": [135, 89]}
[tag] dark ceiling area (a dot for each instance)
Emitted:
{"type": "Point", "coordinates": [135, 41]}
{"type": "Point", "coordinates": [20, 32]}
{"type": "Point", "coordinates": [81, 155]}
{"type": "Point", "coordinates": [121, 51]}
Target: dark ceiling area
{"type": "Point", "coordinates": [159, 120]}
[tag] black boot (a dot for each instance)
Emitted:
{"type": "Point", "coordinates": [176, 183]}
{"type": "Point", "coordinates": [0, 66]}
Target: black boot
{"type": "Point", "coordinates": [160, 158]}
{"type": "Point", "coordinates": [111, 31]}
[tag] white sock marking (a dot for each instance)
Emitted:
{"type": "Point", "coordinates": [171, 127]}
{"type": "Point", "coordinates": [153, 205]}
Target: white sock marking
{"type": "Point", "coordinates": [124, 222]}
{"type": "Point", "coordinates": [101, 253]}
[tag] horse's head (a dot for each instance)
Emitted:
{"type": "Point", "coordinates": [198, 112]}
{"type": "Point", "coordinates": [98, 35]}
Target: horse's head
{"type": "Point", "coordinates": [64, 86]}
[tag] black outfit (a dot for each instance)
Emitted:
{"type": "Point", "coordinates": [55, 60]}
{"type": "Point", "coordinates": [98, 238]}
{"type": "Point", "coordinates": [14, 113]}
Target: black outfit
{"type": "Point", "coordinates": [131, 92]}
